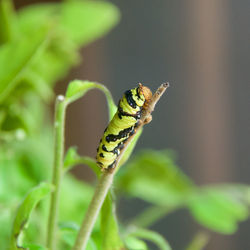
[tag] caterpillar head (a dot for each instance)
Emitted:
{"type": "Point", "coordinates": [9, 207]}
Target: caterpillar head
{"type": "Point", "coordinates": [146, 92]}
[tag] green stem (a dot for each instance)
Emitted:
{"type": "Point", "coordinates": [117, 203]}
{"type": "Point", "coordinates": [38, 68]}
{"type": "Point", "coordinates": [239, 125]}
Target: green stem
{"type": "Point", "coordinates": [57, 170]}
{"type": "Point", "coordinates": [152, 236]}
{"type": "Point", "coordinates": [6, 21]}
{"type": "Point", "coordinates": [199, 241]}
{"type": "Point", "coordinates": [93, 210]}
{"type": "Point", "coordinates": [150, 215]}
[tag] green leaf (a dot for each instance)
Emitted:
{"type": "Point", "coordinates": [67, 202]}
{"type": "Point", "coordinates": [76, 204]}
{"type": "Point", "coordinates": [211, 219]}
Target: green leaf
{"type": "Point", "coordinates": [69, 225]}
{"type": "Point", "coordinates": [85, 21]}
{"type": "Point", "coordinates": [218, 209]}
{"type": "Point", "coordinates": [21, 119]}
{"type": "Point", "coordinates": [24, 212]}
{"type": "Point", "coordinates": [54, 64]}
{"type": "Point", "coordinates": [34, 15]}
{"type": "Point", "coordinates": [61, 52]}
{"type": "Point", "coordinates": [72, 24]}
{"type": "Point", "coordinates": [152, 236]}
{"type": "Point", "coordinates": [91, 245]}
{"type": "Point", "coordinates": [24, 52]}
{"type": "Point", "coordinates": [153, 177]}
{"type": "Point", "coordinates": [68, 233]}
{"type": "Point", "coordinates": [74, 199]}
{"type": "Point", "coordinates": [109, 227]}
{"type": "Point", "coordinates": [134, 243]}
{"type": "Point", "coordinates": [77, 89]}
{"type": "Point", "coordinates": [39, 85]}
{"type": "Point", "coordinates": [72, 158]}
{"type": "Point", "coordinates": [23, 166]}
{"type": "Point", "coordinates": [81, 21]}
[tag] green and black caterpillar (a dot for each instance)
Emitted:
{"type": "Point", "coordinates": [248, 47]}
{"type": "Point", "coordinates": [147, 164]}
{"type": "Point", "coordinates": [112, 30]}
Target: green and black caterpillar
{"type": "Point", "coordinates": [122, 125]}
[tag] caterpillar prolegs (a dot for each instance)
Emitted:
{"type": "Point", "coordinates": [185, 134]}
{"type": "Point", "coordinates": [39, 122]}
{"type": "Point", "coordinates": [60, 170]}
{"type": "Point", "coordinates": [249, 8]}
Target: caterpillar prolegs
{"type": "Point", "coordinates": [122, 125]}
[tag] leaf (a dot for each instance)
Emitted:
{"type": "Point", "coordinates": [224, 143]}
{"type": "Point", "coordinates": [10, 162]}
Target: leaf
{"type": "Point", "coordinates": [73, 24]}
{"type": "Point", "coordinates": [77, 89]}
{"type": "Point", "coordinates": [109, 227]}
{"type": "Point", "coordinates": [21, 119]}
{"type": "Point", "coordinates": [86, 21]}
{"type": "Point", "coordinates": [24, 212]}
{"type": "Point", "coordinates": [134, 243]}
{"type": "Point", "coordinates": [24, 52]}
{"type": "Point", "coordinates": [74, 199]}
{"type": "Point", "coordinates": [68, 232]}
{"type": "Point", "coordinates": [153, 177]}
{"type": "Point", "coordinates": [60, 55]}
{"type": "Point", "coordinates": [72, 159]}
{"type": "Point", "coordinates": [81, 21]}
{"type": "Point", "coordinates": [91, 245]}
{"type": "Point", "coordinates": [218, 209]}
{"type": "Point", "coordinates": [69, 225]}
{"type": "Point", "coordinates": [39, 85]}
{"type": "Point", "coordinates": [35, 15]}
{"type": "Point", "coordinates": [152, 236]}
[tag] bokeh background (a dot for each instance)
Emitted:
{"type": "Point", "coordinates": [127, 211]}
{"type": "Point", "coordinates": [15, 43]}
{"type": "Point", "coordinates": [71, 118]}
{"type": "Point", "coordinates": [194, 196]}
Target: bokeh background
{"type": "Point", "coordinates": [202, 49]}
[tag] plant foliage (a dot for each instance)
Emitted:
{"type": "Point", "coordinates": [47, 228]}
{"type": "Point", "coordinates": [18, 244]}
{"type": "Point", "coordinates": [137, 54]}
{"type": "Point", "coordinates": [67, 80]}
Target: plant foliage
{"type": "Point", "coordinates": [38, 46]}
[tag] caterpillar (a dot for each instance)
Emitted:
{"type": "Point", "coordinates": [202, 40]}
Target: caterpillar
{"type": "Point", "coordinates": [122, 125]}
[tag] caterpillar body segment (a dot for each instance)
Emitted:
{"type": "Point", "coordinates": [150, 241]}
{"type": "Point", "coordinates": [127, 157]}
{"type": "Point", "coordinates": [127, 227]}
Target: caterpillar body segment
{"type": "Point", "coordinates": [122, 125]}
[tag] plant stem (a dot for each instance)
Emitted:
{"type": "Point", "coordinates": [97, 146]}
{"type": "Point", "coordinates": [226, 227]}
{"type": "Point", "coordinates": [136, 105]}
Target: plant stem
{"type": "Point", "coordinates": [57, 170]}
{"type": "Point", "coordinates": [152, 236]}
{"type": "Point", "coordinates": [150, 215]}
{"type": "Point", "coordinates": [107, 177]}
{"type": "Point", "coordinates": [6, 21]}
{"type": "Point", "coordinates": [93, 210]}
{"type": "Point", "coordinates": [199, 241]}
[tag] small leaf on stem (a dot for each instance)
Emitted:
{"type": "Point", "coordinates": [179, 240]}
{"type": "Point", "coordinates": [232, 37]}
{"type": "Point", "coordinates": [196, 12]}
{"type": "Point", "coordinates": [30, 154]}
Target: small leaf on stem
{"type": "Point", "coordinates": [24, 212]}
{"type": "Point", "coordinates": [72, 158]}
{"type": "Point", "coordinates": [109, 227]}
{"type": "Point", "coordinates": [77, 89]}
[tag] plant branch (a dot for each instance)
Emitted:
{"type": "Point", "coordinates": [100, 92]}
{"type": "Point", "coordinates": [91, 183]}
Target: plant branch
{"type": "Point", "coordinates": [59, 125]}
{"type": "Point", "coordinates": [93, 210]}
{"type": "Point", "coordinates": [105, 181]}
{"type": "Point", "coordinates": [152, 236]}
{"type": "Point", "coordinates": [199, 241]}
